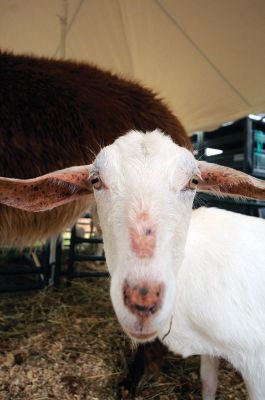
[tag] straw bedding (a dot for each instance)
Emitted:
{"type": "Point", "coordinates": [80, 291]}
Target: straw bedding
{"type": "Point", "coordinates": [68, 345]}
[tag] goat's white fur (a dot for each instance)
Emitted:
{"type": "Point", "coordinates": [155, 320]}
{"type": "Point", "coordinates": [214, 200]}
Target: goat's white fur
{"type": "Point", "coordinates": [210, 260]}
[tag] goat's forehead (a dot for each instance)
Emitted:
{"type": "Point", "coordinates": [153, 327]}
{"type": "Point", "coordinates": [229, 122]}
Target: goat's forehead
{"type": "Point", "coordinates": [150, 150]}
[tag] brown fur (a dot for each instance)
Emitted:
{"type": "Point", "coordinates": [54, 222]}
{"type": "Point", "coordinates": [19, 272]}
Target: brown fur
{"type": "Point", "coordinates": [55, 114]}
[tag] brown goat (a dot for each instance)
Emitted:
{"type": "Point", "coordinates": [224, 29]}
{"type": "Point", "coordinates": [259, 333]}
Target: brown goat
{"type": "Point", "coordinates": [55, 114]}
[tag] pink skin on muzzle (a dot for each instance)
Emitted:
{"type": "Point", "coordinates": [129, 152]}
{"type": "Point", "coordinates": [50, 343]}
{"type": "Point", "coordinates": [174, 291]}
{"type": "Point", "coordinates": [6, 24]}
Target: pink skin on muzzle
{"type": "Point", "coordinates": [143, 236]}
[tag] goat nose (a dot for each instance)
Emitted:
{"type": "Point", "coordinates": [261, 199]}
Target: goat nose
{"type": "Point", "coordinates": [143, 300]}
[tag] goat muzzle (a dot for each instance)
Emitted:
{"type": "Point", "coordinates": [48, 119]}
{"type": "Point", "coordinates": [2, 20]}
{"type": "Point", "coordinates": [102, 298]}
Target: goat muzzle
{"type": "Point", "coordinates": [144, 299]}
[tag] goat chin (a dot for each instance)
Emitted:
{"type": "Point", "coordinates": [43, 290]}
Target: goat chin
{"type": "Point", "coordinates": [142, 338]}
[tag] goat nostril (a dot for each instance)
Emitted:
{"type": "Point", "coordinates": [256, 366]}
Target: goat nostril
{"type": "Point", "coordinates": [143, 291]}
{"type": "Point", "coordinates": [143, 299]}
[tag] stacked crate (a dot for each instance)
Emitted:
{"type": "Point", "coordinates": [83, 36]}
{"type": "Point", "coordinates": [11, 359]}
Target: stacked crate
{"type": "Point", "coordinates": [241, 145]}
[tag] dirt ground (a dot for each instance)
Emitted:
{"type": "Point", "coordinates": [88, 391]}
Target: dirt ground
{"type": "Point", "coordinates": [67, 345]}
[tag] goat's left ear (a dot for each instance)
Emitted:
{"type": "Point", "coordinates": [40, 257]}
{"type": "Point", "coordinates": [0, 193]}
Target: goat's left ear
{"type": "Point", "coordinates": [47, 191]}
{"type": "Point", "coordinates": [224, 181]}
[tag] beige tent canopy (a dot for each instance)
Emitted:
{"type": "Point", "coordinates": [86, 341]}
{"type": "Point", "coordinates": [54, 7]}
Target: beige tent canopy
{"type": "Point", "coordinates": [206, 58]}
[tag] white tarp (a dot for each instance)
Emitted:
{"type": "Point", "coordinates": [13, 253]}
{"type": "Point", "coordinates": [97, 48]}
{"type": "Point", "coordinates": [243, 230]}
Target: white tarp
{"type": "Point", "coordinates": [206, 58]}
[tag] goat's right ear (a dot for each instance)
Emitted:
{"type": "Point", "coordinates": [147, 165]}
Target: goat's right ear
{"type": "Point", "coordinates": [224, 181]}
{"type": "Point", "coordinates": [47, 191]}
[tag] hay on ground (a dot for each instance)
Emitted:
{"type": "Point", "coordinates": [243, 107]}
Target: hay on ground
{"type": "Point", "coordinates": [67, 345]}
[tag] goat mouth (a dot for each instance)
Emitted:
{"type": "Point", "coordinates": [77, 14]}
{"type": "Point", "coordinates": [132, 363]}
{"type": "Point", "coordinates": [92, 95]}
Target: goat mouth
{"type": "Point", "coordinates": [143, 337]}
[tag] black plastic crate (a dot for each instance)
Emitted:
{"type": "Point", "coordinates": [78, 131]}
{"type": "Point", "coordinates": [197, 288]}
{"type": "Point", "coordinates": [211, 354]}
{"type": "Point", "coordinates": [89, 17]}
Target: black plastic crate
{"type": "Point", "coordinates": [242, 146]}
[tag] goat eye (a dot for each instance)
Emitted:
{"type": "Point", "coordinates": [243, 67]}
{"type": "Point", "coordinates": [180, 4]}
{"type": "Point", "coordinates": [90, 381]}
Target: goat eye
{"type": "Point", "coordinates": [96, 182]}
{"type": "Point", "coordinates": [193, 182]}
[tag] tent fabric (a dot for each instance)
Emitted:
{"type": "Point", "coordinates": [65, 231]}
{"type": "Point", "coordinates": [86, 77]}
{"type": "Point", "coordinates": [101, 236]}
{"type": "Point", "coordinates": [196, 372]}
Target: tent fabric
{"type": "Point", "coordinates": [206, 58]}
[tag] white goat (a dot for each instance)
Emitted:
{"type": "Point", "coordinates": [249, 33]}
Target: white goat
{"type": "Point", "coordinates": [195, 279]}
